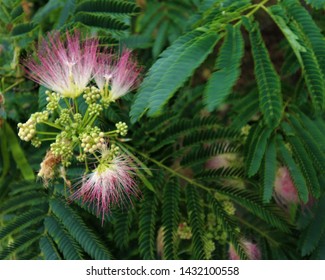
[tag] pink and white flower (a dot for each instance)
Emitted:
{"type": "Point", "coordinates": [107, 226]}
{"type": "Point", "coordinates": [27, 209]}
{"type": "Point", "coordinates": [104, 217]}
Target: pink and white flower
{"type": "Point", "coordinates": [110, 184]}
{"type": "Point", "coordinates": [116, 76]}
{"type": "Point", "coordinates": [252, 250]}
{"type": "Point", "coordinates": [284, 187]}
{"type": "Point", "coordinates": [65, 67]}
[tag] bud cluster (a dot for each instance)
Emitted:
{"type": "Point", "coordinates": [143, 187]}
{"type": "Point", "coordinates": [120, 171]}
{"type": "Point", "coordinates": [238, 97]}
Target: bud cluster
{"type": "Point", "coordinates": [91, 95]}
{"type": "Point", "coordinates": [184, 231]}
{"type": "Point", "coordinates": [64, 118]}
{"type": "Point", "coordinates": [53, 99]}
{"type": "Point", "coordinates": [27, 130]}
{"type": "Point", "coordinates": [122, 128]}
{"type": "Point", "coordinates": [95, 109]}
{"type": "Point", "coordinates": [92, 139]}
{"type": "Point", "coordinates": [63, 148]}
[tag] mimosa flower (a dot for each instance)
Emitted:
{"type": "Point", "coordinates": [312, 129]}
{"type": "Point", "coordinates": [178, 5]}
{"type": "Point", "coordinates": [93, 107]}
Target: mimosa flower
{"type": "Point", "coordinates": [65, 67]}
{"type": "Point", "coordinates": [110, 184]}
{"type": "Point", "coordinates": [284, 188]}
{"type": "Point", "coordinates": [116, 76]}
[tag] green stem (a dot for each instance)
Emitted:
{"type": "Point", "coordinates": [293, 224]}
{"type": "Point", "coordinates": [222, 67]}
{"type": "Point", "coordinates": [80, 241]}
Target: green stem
{"type": "Point", "coordinates": [76, 105]}
{"type": "Point", "coordinates": [111, 132]}
{"type": "Point", "coordinates": [52, 125]}
{"type": "Point", "coordinates": [12, 86]}
{"type": "Point", "coordinates": [255, 9]}
{"type": "Point", "coordinates": [85, 118]}
{"type": "Point", "coordinates": [192, 182]}
{"type": "Point", "coordinates": [262, 233]}
{"type": "Point", "coordinates": [46, 133]}
{"type": "Point", "coordinates": [48, 139]}
{"type": "Point", "coordinates": [91, 120]}
{"type": "Point", "coordinates": [67, 102]}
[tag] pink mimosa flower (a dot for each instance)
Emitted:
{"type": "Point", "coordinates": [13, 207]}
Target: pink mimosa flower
{"type": "Point", "coordinates": [108, 185]}
{"type": "Point", "coordinates": [65, 67]}
{"type": "Point", "coordinates": [116, 76]}
{"type": "Point", "coordinates": [284, 188]}
{"type": "Point", "coordinates": [252, 250]}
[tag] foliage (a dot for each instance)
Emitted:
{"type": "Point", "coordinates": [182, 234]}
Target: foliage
{"type": "Point", "coordinates": [233, 94]}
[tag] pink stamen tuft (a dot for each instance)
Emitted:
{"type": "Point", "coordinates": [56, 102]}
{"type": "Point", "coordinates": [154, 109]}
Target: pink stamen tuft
{"type": "Point", "coordinates": [66, 66]}
{"type": "Point", "coordinates": [252, 250]}
{"type": "Point", "coordinates": [122, 74]}
{"type": "Point", "coordinates": [284, 188]}
{"type": "Point", "coordinates": [108, 186]}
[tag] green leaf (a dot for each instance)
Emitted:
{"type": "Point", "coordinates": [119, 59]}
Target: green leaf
{"type": "Point", "coordinates": [230, 226]}
{"type": "Point", "coordinates": [315, 230]}
{"type": "Point", "coordinates": [222, 81]}
{"type": "Point", "coordinates": [268, 81]}
{"type": "Point", "coordinates": [5, 156]}
{"type": "Point", "coordinates": [80, 232]}
{"type": "Point", "coordinates": [160, 40]}
{"type": "Point", "coordinates": [294, 170]}
{"type": "Point", "coordinates": [122, 226]}
{"type": "Point", "coordinates": [317, 4]}
{"type": "Point", "coordinates": [250, 201]}
{"type": "Point", "coordinates": [66, 244]}
{"type": "Point", "coordinates": [303, 159]}
{"type": "Point", "coordinates": [257, 149]}
{"type": "Point", "coordinates": [107, 6]}
{"type": "Point", "coordinates": [47, 9]}
{"type": "Point", "coordinates": [314, 58]}
{"type": "Point", "coordinates": [175, 65]}
{"type": "Point", "coordinates": [20, 244]}
{"type": "Point", "coordinates": [270, 165]}
{"type": "Point", "coordinates": [195, 214]}
{"type": "Point", "coordinates": [22, 222]}
{"type": "Point", "coordinates": [48, 249]}
{"type": "Point", "coordinates": [22, 29]}
{"type": "Point", "coordinates": [66, 11]}
{"type": "Point", "coordinates": [147, 225]}
{"type": "Point", "coordinates": [100, 21]}
{"type": "Point", "coordinates": [170, 218]}
{"type": "Point", "coordinates": [18, 154]}
{"type": "Point", "coordinates": [313, 147]}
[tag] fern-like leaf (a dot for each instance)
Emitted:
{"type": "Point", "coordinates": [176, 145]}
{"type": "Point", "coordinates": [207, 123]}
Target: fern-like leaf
{"type": "Point", "coordinates": [80, 232]}
{"type": "Point", "coordinates": [229, 225]}
{"type": "Point", "coordinates": [22, 243]}
{"type": "Point", "coordinates": [171, 70]}
{"type": "Point", "coordinates": [122, 228]}
{"type": "Point", "coordinates": [269, 171]}
{"type": "Point", "coordinates": [22, 222]}
{"type": "Point", "coordinates": [100, 21]}
{"type": "Point", "coordinates": [202, 154]}
{"type": "Point", "coordinates": [294, 170]}
{"type": "Point", "coordinates": [268, 81]}
{"type": "Point", "coordinates": [147, 225]}
{"type": "Point", "coordinates": [317, 4]}
{"type": "Point", "coordinates": [107, 6]}
{"type": "Point", "coordinates": [24, 200]}
{"type": "Point", "coordinates": [311, 145]}
{"type": "Point", "coordinates": [253, 204]}
{"type": "Point", "coordinates": [195, 214]}
{"type": "Point", "coordinates": [228, 68]}
{"type": "Point", "coordinates": [66, 244]}
{"type": "Point", "coordinates": [314, 56]}
{"type": "Point", "coordinates": [48, 249]}
{"type": "Point", "coordinates": [303, 159]}
{"type": "Point", "coordinates": [170, 217]}
{"type": "Point", "coordinates": [257, 149]}
{"type": "Point", "coordinates": [315, 229]}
